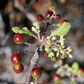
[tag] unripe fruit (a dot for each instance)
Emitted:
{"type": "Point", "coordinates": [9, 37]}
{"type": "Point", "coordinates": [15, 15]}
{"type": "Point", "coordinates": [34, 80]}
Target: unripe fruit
{"type": "Point", "coordinates": [49, 14]}
{"type": "Point", "coordinates": [56, 78]}
{"type": "Point", "coordinates": [18, 68]}
{"type": "Point", "coordinates": [16, 58]}
{"type": "Point", "coordinates": [19, 38]}
{"type": "Point", "coordinates": [36, 73]}
{"type": "Point", "coordinates": [63, 21]}
{"type": "Point", "coordinates": [46, 54]}
{"type": "Point", "coordinates": [40, 17]}
{"type": "Point", "coordinates": [58, 16]}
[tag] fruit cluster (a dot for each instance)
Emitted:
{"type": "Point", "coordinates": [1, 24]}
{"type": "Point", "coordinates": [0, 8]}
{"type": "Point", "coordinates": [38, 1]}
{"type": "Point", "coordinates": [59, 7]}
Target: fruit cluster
{"type": "Point", "coordinates": [16, 60]}
{"type": "Point", "coordinates": [48, 15]}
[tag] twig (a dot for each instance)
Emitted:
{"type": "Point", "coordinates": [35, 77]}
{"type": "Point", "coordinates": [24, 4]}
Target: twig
{"type": "Point", "coordinates": [32, 45]}
{"type": "Point", "coordinates": [48, 22]}
{"type": "Point", "coordinates": [45, 28]}
{"type": "Point", "coordinates": [28, 78]}
{"type": "Point", "coordinates": [34, 61]}
{"type": "Point", "coordinates": [36, 37]}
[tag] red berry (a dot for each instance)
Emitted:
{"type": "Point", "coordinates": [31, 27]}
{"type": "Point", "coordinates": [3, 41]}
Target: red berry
{"type": "Point", "coordinates": [45, 54]}
{"type": "Point", "coordinates": [18, 68]}
{"type": "Point", "coordinates": [63, 1]}
{"type": "Point", "coordinates": [49, 13]}
{"type": "Point", "coordinates": [19, 38]}
{"type": "Point", "coordinates": [63, 21]}
{"type": "Point", "coordinates": [40, 17]}
{"type": "Point", "coordinates": [16, 58]}
{"type": "Point", "coordinates": [58, 16]}
{"type": "Point", "coordinates": [56, 78]}
{"type": "Point", "coordinates": [36, 73]}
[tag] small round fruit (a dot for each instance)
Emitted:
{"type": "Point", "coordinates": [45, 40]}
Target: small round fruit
{"type": "Point", "coordinates": [18, 68]}
{"type": "Point", "coordinates": [63, 21]}
{"type": "Point", "coordinates": [16, 58]}
{"type": "Point", "coordinates": [40, 17]}
{"type": "Point", "coordinates": [46, 54]}
{"type": "Point", "coordinates": [19, 38]}
{"type": "Point", "coordinates": [36, 73]}
{"type": "Point", "coordinates": [56, 78]}
{"type": "Point", "coordinates": [49, 14]}
{"type": "Point", "coordinates": [63, 1]}
{"type": "Point", "coordinates": [80, 71]}
{"type": "Point", "coordinates": [58, 16]}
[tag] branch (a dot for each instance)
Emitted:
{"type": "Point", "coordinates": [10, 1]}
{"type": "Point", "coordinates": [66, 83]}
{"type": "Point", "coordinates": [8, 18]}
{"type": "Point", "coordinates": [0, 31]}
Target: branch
{"type": "Point", "coordinates": [46, 28]}
{"type": "Point", "coordinates": [34, 61]}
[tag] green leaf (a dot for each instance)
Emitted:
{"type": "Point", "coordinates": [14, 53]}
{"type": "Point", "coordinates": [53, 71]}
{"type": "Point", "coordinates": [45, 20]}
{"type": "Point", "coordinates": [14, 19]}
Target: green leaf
{"type": "Point", "coordinates": [75, 67]}
{"type": "Point", "coordinates": [49, 54]}
{"type": "Point", "coordinates": [25, 29]}
{"type": "Point", "coordinates": [15, 29]}
{"type": "Point", "coordinates": [25, 32]}
{"type": "Point", "coordinates": [62, 30]}
{"type": "Point", "coordinates": [52, 58]}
